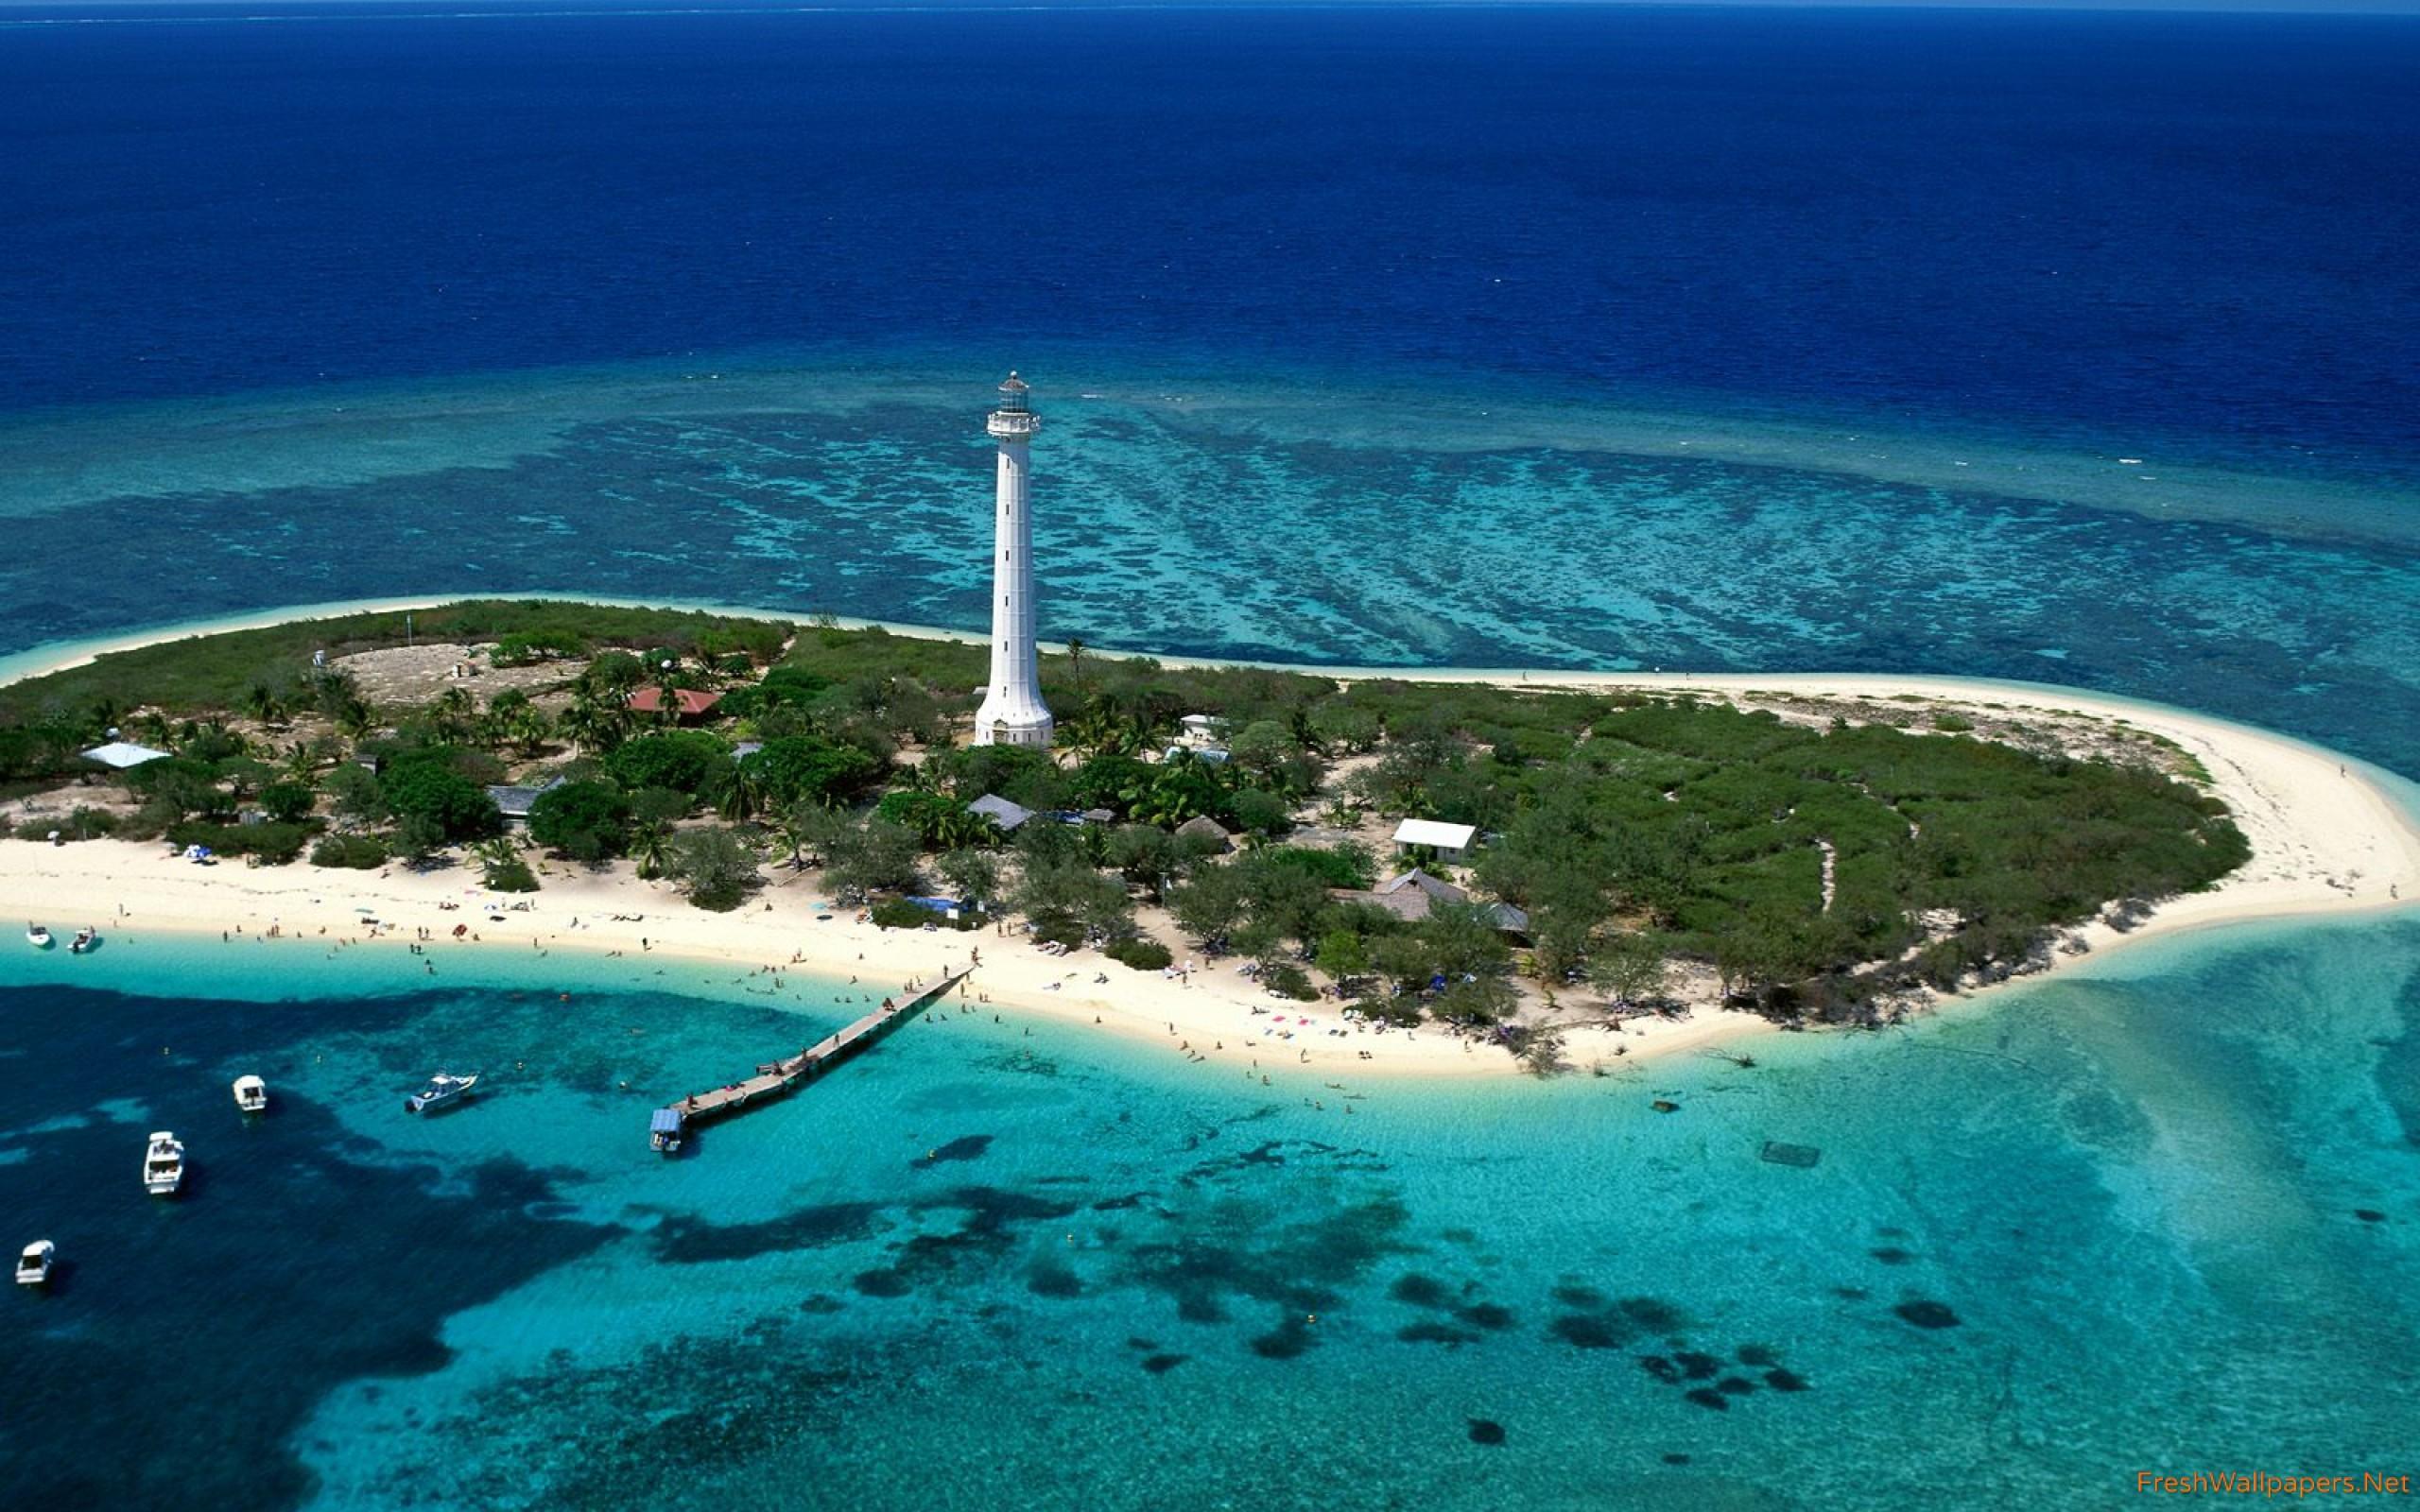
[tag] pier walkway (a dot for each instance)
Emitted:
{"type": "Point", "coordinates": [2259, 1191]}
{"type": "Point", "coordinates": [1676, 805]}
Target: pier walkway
{"type": "Point", "coordinates": [779, 1078]}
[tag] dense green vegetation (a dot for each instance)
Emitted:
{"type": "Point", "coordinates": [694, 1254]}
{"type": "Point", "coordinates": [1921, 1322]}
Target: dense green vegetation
{"type": "Point", "coordinates": [1626, 836]}
{"type": "Point", "coordinates": [218, 671]}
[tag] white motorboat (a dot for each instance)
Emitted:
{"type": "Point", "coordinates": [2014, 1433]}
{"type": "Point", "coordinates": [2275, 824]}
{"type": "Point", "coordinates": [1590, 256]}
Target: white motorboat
{"type": "Point", "coordinates": [251, 1094]}
{"type": "Point", "coordinates": [164, 1165]}
{"type": "Point", "coordinates": [442, 1090]}
{"type": "Point", "coordinates": [85, 939]}
{"type": "Point", "coordinates": [33, 1266]}
{"type": "Point", "coordinates": [38, 936]}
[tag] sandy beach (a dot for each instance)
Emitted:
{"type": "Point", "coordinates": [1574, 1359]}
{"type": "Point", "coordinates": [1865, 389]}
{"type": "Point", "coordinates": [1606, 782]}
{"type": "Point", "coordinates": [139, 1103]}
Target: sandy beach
{"type": "Point", "coordinates": [2325, 839]}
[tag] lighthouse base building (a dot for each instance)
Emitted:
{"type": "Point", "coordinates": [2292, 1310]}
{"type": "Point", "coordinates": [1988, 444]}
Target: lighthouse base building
{"type": "Point", "coordinates": [1013, 712]}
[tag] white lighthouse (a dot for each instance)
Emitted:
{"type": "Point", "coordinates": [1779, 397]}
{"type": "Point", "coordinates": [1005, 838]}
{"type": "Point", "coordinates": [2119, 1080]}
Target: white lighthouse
{"type": "Point", "coordinates": [1013, 712]}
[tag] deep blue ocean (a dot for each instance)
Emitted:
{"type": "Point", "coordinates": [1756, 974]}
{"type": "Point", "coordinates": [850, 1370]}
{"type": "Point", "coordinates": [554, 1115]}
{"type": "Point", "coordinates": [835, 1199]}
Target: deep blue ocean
{"type": "Point", "coordinates": [2059, 346]}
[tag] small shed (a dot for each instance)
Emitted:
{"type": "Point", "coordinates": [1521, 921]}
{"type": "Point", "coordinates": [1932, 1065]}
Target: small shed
{"type": "Point", "coordinates": [1001, 811]}
{"type": "Point", "coordinates": [1447, 840]}
{"type": "Point", "coordinates": [122, 754]}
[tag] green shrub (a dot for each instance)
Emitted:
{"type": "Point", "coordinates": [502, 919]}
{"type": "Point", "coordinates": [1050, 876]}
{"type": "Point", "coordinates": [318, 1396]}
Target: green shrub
{"type": "Point", "coordinates": [898, 913]}
{"type": "Point", "coordinates": [355, 853]}
{"type": "Point", "coordinates": [796, 769]}
{"type": "Point", "coordinates": [535, 646]}
{"type": "Point", "coordinates": [586, 821]}
{"type": "Point", "coordinates": [1067, 931]}
{"type": "Point", "coordinates": [681, 760]}
{"type": "Point", "coordinates": [715, 868]}
{"type": "Point", "coordinates": [290, 801]}
{"type": "Point", "coordinates": [84, 824]}
{"type": "Point", "coordinates": [428, 790]}
{"type": "Point", "coordinates": [275, 844]}
{"type": "Point", "coordinates": [278, 845]}
{"type": "Point", "coordinates": [1142, 955]}
{"type": "Point", "coordinates": [1348, 866]}
{"type": "Point", "coordinates": [1402, 1012]}
{"type": "Point", "coordinates": [1288, 980]}
{"type": "Point", "coordinates": [512, 874]}
{"type": "Point", "coordinates": [1952, 724]}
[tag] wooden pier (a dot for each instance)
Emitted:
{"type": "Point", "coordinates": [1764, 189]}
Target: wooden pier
{"type": "Point", "coordinates": [778, 1078]}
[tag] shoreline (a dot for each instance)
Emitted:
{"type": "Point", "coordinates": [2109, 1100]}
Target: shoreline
{"type": "Point", "coordinates": [1216, 1017]}
{"type": "Point", "coordinates": [2329, 838]}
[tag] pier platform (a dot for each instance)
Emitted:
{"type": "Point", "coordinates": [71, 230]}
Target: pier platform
{"type": "Point", "coordinates": [778, 1078]}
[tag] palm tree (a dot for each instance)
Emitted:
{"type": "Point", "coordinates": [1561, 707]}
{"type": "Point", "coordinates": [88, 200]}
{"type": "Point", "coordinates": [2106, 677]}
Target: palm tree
{"type": "Point", "coordinates": [798, 829]}
{"type": "Point", "coordinates": [528, 728]}
{"type": "Point", "coordinates": [301, 762]}
{"type": "Point", "coordinates": [496, 726]}
{"type": "Point", "coordinates": [332, 687]}
{"type": "Point", "coordinates": [1075, 661]}
{"type": "Point", "coordinates": [917, 778]}
{"type": "Point", "coordinates": [455, 715]}
{"type": "Point", "coordinates": [263, 705]}
{"type": "Point", "coordinates": [741, 795]}
{"type": "Point", "coordinates": [962, 829]}
{"type": "Point", "coordinates": [666, 694]}
{"type": "Point", "coordinates": [651, 847]}
{"type": "Point", "coordinates": [355, 718]}
{"type": "Point", "coordinates": [593, 725]}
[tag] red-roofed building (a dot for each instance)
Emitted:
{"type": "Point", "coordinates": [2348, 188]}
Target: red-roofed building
{"type": "Point", "coordinates": [694, 704]}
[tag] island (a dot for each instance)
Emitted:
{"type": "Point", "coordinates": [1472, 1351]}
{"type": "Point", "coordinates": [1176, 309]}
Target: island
{"type": "Point", "coordinates": [1468, 872]}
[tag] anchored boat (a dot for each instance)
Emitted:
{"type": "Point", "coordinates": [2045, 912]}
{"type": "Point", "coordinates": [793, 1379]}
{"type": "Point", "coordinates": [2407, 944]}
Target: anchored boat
{"type": "Point", "coordinates": [38, 936]}
{"type": "Point", "coordinates": [33, 1266]}
{"type": "Point", "coordinates": [251, 1094]}
{"type": "Point", "coordinates": [164, 1165]}
{"type": "Point", "coordinates": [441, 1091]}
{"type": "Point", "coordinates": [85, 939]}
{"type": "Point", "coordinates": [666, 1131]}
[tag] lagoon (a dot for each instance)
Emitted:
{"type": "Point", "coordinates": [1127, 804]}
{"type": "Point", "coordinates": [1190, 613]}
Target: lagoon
{"type": "Point", "coordinates": [2106, 1221]}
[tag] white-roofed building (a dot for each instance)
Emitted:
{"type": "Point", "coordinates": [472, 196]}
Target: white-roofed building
{"type": "Point", "coordinates": [1447, 841]}
{"type": "Point", "coordinates": [1007, 814]}
{"type": "Point", "coordinates": [121, 754]}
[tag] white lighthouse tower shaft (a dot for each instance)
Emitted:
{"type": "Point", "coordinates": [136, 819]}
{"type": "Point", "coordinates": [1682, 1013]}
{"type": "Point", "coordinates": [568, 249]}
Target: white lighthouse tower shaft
{"type": "Point", "coordinates": [1013, 712]}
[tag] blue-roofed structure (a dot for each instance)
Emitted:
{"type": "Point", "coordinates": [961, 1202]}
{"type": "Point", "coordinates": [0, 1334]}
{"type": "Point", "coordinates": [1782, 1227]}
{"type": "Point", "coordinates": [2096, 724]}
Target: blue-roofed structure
{"type": "Point", "coordinates": [664, 1131]}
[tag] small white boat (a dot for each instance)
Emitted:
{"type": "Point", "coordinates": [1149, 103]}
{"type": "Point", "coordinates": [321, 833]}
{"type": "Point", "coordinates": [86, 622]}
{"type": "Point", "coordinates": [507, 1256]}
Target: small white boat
{"type": "Point", "coordinates": [442, 1090]}
{"type": "Point", "coordinates": [251, 1094]}
{"type": "Point", "coordinates": [85, 939]}
{"type": "Point", "coordinates": [33, 1266]}
{"type": "Point", "coordinates": [164, 1165]}
{"type": "Point", "coordinates": [38, 936]}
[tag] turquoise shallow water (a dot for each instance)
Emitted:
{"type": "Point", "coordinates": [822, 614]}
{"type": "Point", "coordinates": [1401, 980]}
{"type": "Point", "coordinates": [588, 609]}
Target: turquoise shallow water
{"type": "Point", "coordinates": [1561, 336]}
{"type": "Point", "coordinates": [2098, 1225]}
{"type": "Point", "coordinates": [1296, 517]}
